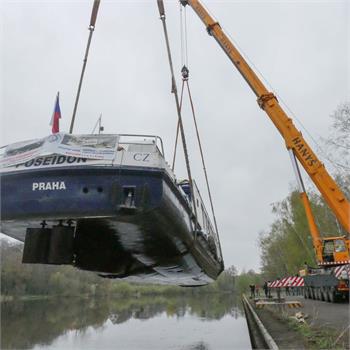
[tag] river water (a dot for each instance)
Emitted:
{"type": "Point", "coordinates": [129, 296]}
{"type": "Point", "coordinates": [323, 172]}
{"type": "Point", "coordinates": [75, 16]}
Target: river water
{"type": "Point", "coordinates": [206, 322]}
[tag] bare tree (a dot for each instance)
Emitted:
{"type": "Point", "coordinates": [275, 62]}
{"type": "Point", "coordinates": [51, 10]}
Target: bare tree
{"type": "Point", "coordinates": [338, 141]}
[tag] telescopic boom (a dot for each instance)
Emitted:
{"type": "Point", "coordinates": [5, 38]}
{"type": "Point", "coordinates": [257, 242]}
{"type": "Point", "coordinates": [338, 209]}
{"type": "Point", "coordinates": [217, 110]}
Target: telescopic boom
{"type": "Point", "coordinates": [292, 136]}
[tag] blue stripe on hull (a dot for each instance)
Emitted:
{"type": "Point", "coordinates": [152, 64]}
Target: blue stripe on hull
{"type": "Point", "coordinates": [89, 192]}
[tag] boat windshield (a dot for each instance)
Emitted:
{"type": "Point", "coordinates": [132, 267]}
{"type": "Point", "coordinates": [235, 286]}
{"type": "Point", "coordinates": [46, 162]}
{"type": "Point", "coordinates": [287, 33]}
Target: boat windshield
{"type": "Point", "coordinates": [141, 143]}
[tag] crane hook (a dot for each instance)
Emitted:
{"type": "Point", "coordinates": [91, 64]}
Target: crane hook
{"type": "Point", "coordinates": [185, 73]}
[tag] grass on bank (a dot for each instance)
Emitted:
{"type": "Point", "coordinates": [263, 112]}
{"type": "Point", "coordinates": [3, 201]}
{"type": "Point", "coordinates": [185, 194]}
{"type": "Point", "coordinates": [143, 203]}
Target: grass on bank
{"type": "Point", "coordinates": [321, 338]}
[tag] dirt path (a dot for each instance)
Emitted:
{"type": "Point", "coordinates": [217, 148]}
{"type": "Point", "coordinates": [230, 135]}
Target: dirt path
{"type": "Point", "coordinates": [323, 314]}
{"type": "Point", "coordinates": [280, 331]}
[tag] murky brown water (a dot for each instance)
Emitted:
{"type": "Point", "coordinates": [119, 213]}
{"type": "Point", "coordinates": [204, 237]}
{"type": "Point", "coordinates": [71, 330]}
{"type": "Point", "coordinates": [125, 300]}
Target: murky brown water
{"type": "Point", "coordinates": [198, 322]}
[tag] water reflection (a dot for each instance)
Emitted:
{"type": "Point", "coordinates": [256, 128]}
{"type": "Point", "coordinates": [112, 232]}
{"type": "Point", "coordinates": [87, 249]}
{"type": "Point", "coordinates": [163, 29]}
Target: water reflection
{"type": "Point", "coordinates": [26, 324]}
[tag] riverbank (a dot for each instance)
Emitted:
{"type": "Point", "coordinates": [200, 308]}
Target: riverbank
{"type": "Point", "coordinates": [135, 292]}
{"type": "Point", "coordinates": [326, 324]}
{"type": "Point", "coordinates": [14, 298]}
{"type": "Point", "coordinates": [305, 331]}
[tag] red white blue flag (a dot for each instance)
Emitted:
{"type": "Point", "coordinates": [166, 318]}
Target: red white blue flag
{"type": "Point", "coordinates": [56, 116]}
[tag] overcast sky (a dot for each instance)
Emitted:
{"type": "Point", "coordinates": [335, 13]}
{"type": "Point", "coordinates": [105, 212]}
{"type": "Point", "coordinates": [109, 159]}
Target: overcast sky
{"type": "Point", "coordinates": [301, 48]}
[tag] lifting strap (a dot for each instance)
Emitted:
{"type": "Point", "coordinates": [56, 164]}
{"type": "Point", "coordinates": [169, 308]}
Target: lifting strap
{"type": "Point", "coordinates": [185, 76]}
{"type": "Point", "coordinates": [202, 155]}
{"type": "Point", "coordinates": [185, 81]}
{"type": "Point", "coordinates": [178, 127]}
{"type": "Point", "coordinates": [178, 109]}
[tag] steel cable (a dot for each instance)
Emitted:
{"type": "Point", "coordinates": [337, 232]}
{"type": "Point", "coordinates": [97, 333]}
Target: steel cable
{"type": "Point", "coordinates": [178, 109]}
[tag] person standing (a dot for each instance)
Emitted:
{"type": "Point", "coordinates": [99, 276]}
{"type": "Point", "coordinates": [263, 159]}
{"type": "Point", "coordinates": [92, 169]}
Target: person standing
{"type": "Point", "coordinates": [290, 288]}
{"type": "Point", "coordinates": [266, 289]}
{"type": "Point", "coordinates": [252, 291]}
{"type": "Point", "coordinates": [278, 290]}
{"type": "Point", "coordinates": [257, 290]}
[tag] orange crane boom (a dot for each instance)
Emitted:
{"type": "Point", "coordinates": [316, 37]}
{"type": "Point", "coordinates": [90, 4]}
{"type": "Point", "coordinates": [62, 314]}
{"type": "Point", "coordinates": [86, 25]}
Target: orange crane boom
{"type": "Point", "coordinates": [294, 140]}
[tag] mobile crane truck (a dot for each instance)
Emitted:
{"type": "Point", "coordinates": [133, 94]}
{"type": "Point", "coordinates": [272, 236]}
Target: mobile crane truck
{"type": "Point", "coordinates": [330, 280]}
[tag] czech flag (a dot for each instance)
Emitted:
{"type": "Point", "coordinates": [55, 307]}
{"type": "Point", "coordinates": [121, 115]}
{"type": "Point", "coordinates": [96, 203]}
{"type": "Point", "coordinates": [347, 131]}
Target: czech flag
{"type": "Point", "coordinates": [56, 116]}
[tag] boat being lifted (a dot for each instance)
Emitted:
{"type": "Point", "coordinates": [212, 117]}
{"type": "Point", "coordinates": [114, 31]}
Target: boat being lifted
{"type": "Point", "coordinates": [109, 204]}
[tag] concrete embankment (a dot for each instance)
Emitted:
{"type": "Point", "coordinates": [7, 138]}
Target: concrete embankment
{"type": "Point", "coordinates": [269, 331]}
{"type": "Point", "coordinates": [260, 338]}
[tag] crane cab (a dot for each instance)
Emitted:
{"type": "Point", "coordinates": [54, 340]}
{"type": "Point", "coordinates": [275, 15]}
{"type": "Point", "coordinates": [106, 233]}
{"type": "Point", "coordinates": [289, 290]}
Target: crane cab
{"type": "Point", "coordinates": [335, 250]}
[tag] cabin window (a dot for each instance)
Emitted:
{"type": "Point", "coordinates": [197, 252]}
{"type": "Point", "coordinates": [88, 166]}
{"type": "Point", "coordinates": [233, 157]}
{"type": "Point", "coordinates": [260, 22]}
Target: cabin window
{"type": "Point", "coordinates": [339, 246]}
{"type": "Point", "coordinates": [328, 247]}
{"type": "Point", "coordinates": [328, 250]}
{"type": "Point", "coordinates": [144, 148]}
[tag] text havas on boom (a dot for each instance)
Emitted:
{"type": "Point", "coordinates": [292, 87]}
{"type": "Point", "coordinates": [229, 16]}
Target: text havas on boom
{"type": "Point", "coordinates": [304, 151]}
{"type": "Point", "coordinates": [48, 186]}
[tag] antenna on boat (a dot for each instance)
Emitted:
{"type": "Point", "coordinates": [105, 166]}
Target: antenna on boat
{"type": "Point", "coordinates": [91, 29]}
{"type": "Point", "coordinates": [99, 124]}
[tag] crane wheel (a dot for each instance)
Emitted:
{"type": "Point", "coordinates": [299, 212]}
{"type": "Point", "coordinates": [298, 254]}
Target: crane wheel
{"type": "Point", "coordinates": [309, 292]}
{"type": "Point", "coordinates": [312, 292]}
{"type": "Point", "coordinates": [331, 295]}
{"type": "Point", "coordinates": [319, 293]}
